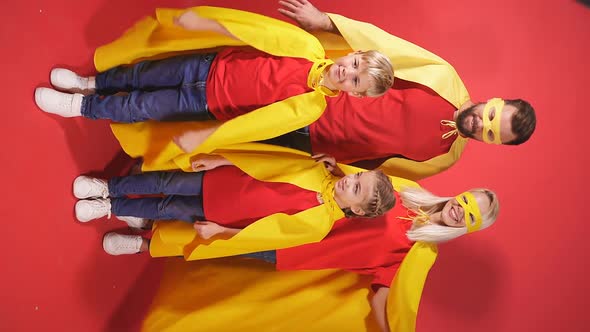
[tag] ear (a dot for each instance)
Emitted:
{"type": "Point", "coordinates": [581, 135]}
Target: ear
{"type": "Point", "coordinates": [357, 210]}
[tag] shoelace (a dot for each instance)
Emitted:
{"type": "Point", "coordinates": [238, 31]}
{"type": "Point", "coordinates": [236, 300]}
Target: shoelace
{"type": "Point", "coordinates": [104, 187]}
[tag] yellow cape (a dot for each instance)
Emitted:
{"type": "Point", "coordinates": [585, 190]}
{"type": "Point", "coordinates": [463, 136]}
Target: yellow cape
{"type": "Point", "coordinates": [152, 38]}
{"type": "Point", "coordinates": [411, 63]}
{"type": "Point", "coordinates": [160, 37]}
{"type": "Point", "coordinates": [317, 297]}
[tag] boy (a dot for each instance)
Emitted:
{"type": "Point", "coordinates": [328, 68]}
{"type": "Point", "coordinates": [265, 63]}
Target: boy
{"type": "Point", "coordinates": [211, 86]}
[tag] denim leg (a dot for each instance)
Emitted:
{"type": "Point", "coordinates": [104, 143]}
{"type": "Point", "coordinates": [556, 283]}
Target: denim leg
{"type": "Point", "coordinates": [183, 103]}
{"type": "Point", "coordinates": [184, 208]}
{"type": "Point", "coordinates": [267, 256]}
{"type": "Point", "coordinates": [298, 140]}
{"type": "Point", "coordinates": [167, 183]}
{"type": "Point", "coordinates": [189, 70]}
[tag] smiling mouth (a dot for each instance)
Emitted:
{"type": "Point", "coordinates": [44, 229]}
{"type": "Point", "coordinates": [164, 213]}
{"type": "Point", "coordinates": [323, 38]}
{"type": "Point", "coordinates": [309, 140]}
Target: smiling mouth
{"type": "Point", "coordinates": [454, 214]}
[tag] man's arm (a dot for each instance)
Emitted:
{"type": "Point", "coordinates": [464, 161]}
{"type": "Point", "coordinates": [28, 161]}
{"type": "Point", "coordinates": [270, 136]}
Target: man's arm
{"type": "Point", "coordinates": [307, 15]}
{"type": "Point", "coordinates": [189, 20]}
{"type": "Point", "coordinates": [379, 308]}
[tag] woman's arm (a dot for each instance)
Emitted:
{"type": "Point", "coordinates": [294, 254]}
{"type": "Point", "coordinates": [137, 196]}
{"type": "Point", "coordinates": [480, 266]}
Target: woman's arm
{"type": "Point", "coordinates": [379, 308]}
{"type": "Point", "coordinates": [307, 15]}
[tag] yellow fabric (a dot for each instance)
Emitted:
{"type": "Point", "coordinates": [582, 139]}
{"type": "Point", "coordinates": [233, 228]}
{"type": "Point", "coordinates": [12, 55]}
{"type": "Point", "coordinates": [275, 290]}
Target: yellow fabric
{"type": "Point", "coordinates": [493, 125]}
{"type": "Point", "coordinates": [471, 209]}
{"type": "Point", "coordinates": [159, 37]}
{"type": "Point", "coordinates": [406, 288]}
{"type": "Point", "coordinates": [411, 63]}
{"type": "Point", "coordinates": [266, 163]}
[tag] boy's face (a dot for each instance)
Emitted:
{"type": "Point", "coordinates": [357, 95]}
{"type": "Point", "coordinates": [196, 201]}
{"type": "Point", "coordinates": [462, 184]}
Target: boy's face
{"type": "Point", "coordinates": [349, 74]}
{"type": "Point", "coordinates": [355, 189]}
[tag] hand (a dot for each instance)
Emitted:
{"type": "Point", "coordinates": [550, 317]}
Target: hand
{"type": "Point", "coordinates": [207, 229]}
{"type": "Point", "coordinates": [329, 162]}
{"type": "Point", "coordinates": [188, 20]}
{"type": "Point", "coordinates": [191, 139]}
{"type": "Point", "coordinates": [205, 162]}
{"type": "Point", "coordinates": [305, 14]}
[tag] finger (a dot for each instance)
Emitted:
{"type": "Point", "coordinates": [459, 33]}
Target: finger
{"type": "Point", "coordinates": [318, 155]}
{"type": "Point", "coordinates": [288, 5]}
{"type": "Point", "coordinates": [294, 3]}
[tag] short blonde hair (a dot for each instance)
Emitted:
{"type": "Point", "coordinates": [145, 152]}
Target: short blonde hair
{"type": "Point", "coordinates": [418, 198]}
{"type": "Point", "coordinates": [380, 71]}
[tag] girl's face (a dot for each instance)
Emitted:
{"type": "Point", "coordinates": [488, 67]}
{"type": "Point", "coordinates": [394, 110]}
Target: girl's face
{"type": "Point", "coordinates": [453, 214]}
{"type": "Point", "coordinates": [354, 190]}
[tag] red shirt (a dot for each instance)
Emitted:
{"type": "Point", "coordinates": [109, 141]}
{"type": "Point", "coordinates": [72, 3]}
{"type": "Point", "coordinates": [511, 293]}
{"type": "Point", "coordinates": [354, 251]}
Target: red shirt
{"type": "Point", "coordinates": [234, 199]}
{"type": "Point", "coordinates": [405, 121]}
{"type": "Point", "coordinates": [242, 79]}
{"type": "Point", "coordinates": [367, 246]}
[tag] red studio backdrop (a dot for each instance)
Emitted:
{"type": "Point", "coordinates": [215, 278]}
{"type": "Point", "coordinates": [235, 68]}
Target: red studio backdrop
{"type": "Point", "coordinates": [526, 273]}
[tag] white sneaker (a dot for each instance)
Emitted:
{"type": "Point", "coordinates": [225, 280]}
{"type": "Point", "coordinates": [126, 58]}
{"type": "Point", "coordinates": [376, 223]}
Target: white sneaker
{"type": "Point", "coordinates": [64, 104]}
{"type": "Point", "coordinates": [87, 187]}
{"type": "Point", "coordinates": [66, 79]}
{"type": "Point", "coordinates": [135, 222]}
{"type": "Point", "coordinates": [90, 209]}
{"type": "Point", "coordinates": [119, 244]}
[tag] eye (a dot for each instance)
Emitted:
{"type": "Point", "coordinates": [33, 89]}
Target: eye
{"type": "Point", "coordinates": [464, 199]}
{"type": "Point", "coordinates": [492, 114]}
{"type": "Point", "coordinates": [356, 81]}
{"type": "Point", "coordinates": [472, 219]}
{"type": "Point", "coordinates": [356, 189]}
{"type": "Point", "coordinates": [355, 63]}
{"type": "Point", "coordinates": [491, 135]}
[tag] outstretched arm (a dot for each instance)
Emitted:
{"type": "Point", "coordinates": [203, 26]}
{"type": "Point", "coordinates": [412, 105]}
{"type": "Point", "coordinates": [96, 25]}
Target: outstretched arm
{"type": "Point", "coordinates": [209, 229]}
{"type": "Point", "coordinates": [190, 20]}
{"type": "Point", "coordinates": [379, 308]}
{"type": "Point", "coordinates": [307, 15]}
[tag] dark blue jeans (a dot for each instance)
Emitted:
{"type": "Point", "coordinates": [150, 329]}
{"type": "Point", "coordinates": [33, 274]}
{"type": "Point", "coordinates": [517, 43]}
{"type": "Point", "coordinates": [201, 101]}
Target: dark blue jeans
{"type": "Point", "coordinates": [182, 200]}
{"type": "Point", "coordinates": [298, 140]}
{"type": "Point", "coordinates": [171, 89]}
{"type": "Point", "coordinates": [269, 256]}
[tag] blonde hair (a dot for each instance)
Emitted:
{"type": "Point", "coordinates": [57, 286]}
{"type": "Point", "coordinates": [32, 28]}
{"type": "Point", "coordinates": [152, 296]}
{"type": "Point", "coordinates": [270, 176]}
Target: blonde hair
{"type": "Point", "coordinates": [382, 200]}
{"type": "Point", "coordinates": [380, 71]}
{"type": "Point", "coordinates": [420, 199]}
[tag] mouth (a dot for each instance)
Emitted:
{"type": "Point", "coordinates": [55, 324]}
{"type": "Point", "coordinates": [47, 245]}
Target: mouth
{"type": "Point", "coordinates": [453, 214]}
{"type": "Point", "coordinates": [339, 73]}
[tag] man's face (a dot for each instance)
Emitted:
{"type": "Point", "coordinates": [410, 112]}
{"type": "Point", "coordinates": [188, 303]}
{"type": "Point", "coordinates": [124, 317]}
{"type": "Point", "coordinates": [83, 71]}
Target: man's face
{"type": "Point", "coordinates": [470, 122]}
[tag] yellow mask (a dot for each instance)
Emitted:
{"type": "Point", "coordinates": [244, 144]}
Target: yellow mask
{"type": "Point", "coordinates": [473, 218]}
{"type": "Point", "coordinates": [492, 126]}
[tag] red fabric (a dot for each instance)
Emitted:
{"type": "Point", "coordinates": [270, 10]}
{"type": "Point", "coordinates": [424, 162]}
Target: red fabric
{"type": "Point", "coordinates": [405, 121]}
{"type": "Point", "coordinates": [242, 79]}
{"type": "Point", "coordinates": [234, 199]}
{"type": "Point", "coordinates": [367, 246]}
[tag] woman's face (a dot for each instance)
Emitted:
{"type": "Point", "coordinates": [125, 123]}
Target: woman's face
{"type": "Point", "coordinates": [453, 214]}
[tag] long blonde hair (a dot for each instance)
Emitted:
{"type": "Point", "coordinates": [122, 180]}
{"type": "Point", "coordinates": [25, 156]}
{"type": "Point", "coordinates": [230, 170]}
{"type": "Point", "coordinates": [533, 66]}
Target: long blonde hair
{"type": "Point", "coordinates": [416, 199]}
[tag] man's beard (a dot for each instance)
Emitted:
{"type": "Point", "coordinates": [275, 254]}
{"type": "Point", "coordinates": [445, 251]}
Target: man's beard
{"type": "Point", "coordinates": [461, 119]}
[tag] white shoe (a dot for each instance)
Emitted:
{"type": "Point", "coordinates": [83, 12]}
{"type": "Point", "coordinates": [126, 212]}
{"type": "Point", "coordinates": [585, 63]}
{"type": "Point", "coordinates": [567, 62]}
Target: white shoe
{"type": "Point", "coordinates": [135, 222]}
{"type": "Point", "coordinates": [119, 244]}
{"type": "Point", "coordinates": [64, 104]}
{"type": "Point", "coordinates": [66, 79]}
{"type": "Point", "coordinates": [89, 187]}
{"type": "Point", "coordinates": [90, 209]}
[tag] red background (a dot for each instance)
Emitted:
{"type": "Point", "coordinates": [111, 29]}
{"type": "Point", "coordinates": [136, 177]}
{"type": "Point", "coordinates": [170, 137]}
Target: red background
{"type": "Point", "coordinates": [526, 273]}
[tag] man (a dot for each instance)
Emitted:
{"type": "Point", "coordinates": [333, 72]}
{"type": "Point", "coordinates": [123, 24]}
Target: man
{"type": "Point", "coordinates": [419, 127]}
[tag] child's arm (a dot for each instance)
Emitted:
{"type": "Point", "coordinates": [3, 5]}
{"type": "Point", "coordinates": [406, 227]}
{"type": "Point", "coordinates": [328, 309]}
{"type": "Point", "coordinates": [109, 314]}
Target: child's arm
{"type": "Point", "coordinates": [330, 163]}
{"type": "Point", "coordinates": [190, 140]}
{"type": "Point", "coordinates": [189, 20]}
{"type": "Point", "coordinates": [307, 16]}
{"type": "Point", "coordinates": [208, 229]}
{"type": "Point", "coordinates": [205, 162]}
{"type": "Point", "coordinates": [379, 308]}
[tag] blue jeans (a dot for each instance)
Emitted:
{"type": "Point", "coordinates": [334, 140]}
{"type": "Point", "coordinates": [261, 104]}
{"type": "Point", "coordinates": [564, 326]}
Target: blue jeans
{"type": "Point", "coordinates": [162, 90]}
{"type": "Point", "coordinates": [182, 200]}
{"type": "Point", "coordinates": [269, 256]}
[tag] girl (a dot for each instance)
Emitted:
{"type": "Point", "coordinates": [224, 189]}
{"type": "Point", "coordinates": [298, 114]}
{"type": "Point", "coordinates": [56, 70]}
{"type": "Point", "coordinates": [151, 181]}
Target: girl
{"type": "Point", "coordinates": [224, 195]}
